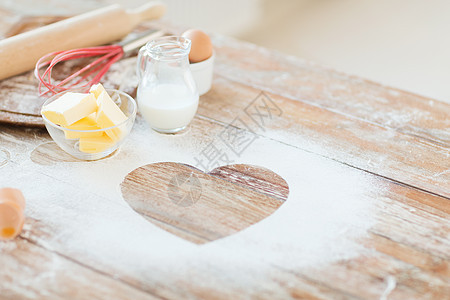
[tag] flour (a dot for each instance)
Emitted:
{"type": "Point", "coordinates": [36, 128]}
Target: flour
{"type": "Point", "coordinates": [329, 207]}
{"type": "Point", "coordinates": [391, 284]}
{"type": "Point", "coordinates": [7, 246]}
{"type": "Point", "coordinates": [123, 72]}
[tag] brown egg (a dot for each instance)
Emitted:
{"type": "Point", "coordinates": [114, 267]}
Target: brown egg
{"type": "Point", "coordinates": [201, 47]}
{"type": "Point", "coordinates": [12, 204]}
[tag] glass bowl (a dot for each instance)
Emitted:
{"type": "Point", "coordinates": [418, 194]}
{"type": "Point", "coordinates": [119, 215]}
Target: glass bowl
{"type": "Point", "coordinates": [93, 148]}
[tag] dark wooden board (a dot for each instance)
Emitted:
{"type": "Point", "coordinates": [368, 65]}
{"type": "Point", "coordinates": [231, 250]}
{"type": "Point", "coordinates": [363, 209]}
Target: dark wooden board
{"type": "Point", "coordinates": [20, 103]}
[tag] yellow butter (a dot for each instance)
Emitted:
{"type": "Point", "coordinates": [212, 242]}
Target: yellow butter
{"type": "Point", "coordinates": [87, 123]}
{"type": "Point", "coordinates": [109, 115]}
{"type": "Point", "coordinates": [70, 108]}
{"type": "Point", "coordinates": [97, 89]}
{"type": "Point", "coordinates": [95, 144]}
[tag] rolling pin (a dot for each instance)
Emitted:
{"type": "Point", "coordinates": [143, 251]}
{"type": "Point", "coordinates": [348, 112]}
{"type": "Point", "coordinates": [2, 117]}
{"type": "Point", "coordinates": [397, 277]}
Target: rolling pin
{"type": "Point", "coordinates": [21, 52]}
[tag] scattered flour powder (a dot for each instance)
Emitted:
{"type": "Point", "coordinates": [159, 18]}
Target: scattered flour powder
{"type": "Point", "coordinates": [329, 207]}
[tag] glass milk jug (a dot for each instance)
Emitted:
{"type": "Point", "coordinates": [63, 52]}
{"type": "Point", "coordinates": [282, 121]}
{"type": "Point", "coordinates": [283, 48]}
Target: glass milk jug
{"type": "Point", "coordinates": [167, 93]}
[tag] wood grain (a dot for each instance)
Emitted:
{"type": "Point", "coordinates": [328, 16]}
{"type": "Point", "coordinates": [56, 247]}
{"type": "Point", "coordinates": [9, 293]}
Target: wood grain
{"type": "Point", "coordinates": [379, 146]}
{"type": "Point", "coordinates": [351, 96]}
{"type": "Point", "coordinates": [19, 119]}
{"type": "Point", "coordinates": [203, 207]}
{"type": "Point", "coordinates": [259, 179]}
{"type": "Point", "coordinates": [397, 139]}
{"type": "Point", "coordinates": [31, 272]}
{"type": "Point", "coordinates": [389, 153]}
{"type": "Point", "coordinates": [414, 257]}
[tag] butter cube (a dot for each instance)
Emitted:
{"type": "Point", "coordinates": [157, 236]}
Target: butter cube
{"type": "Point", "coordinates": [97, 89]}
{"type": "Point", "coordinates": [87, 123]}
{"type": "Point", "coordinates": [108, 115]}
{"type": "Point", "coordinates": [70, 108]}
{"type": "Point", "coordinates": [95, 144]}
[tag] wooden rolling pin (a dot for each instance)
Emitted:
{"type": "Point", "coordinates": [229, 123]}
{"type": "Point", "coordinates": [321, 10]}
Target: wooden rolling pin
{"type": "Point", "coordinates": [21, 52]}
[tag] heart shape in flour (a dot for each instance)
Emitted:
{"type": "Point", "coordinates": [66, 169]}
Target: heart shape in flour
{"type": "Point", "coordinates": [202, 207]}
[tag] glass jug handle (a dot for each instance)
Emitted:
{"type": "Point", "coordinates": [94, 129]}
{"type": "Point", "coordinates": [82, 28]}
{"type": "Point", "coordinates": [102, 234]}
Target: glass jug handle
{"type": "Point", "coordinates": [141, 62]}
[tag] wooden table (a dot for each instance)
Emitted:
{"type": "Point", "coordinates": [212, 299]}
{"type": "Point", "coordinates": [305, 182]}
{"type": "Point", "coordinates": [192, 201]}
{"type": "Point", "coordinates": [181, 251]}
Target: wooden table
{"type": "Point", "coordinates": [367, 217]}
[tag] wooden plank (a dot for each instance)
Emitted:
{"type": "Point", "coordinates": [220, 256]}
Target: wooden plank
{"type": "Point", "coordinates": [413, 221]}
{"type": "Point", "coordinates": [262, 180]}
{"type": "Point", "coordinates": [350, 96]}
{"type": "Point", "coordinates": [367, 278]}
{"type": "Point", "coordinates": [166, 284]}
{"type": "Point", "coordinates": [161, 193]}
{"type": "Point", "coordinates": [408, 242]}
{"type": "Point", "coordinates": [19, 94]}
{"type": "Point", "coordinates": [350, 138]}
{"type": "Point", "coordinates": [14, 118]}
{"type": "Point", "coordinates": [423, 260]}
{"type": "Point", "coordinates": [404, 158]}
{"type": "Point", "coordinates": [31, 272]}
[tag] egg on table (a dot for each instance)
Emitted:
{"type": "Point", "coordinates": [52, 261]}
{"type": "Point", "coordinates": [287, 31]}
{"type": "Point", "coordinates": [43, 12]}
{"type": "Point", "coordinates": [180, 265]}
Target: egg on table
{"type": "Point", "coordinates": [201, 46]}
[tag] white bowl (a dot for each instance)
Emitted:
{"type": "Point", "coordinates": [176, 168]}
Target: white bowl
{"type": "Point", "coordinates": [203, 74]}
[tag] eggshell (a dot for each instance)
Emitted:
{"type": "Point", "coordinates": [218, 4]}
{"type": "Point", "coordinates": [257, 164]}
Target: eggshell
{"type": "Point", "coordinates": [14, 195]}
{"type": "Point", "coordinates": [12, 204]}
{"type": "Point", "coordinates": [201, 46]}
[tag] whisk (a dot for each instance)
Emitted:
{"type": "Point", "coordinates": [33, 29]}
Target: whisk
{"type": "Point", "coordinates": [92, 72]}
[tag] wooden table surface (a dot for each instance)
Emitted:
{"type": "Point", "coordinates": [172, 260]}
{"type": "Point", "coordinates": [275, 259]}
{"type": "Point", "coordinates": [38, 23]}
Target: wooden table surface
{"type": "Point", "coordinates": [367, 216]}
